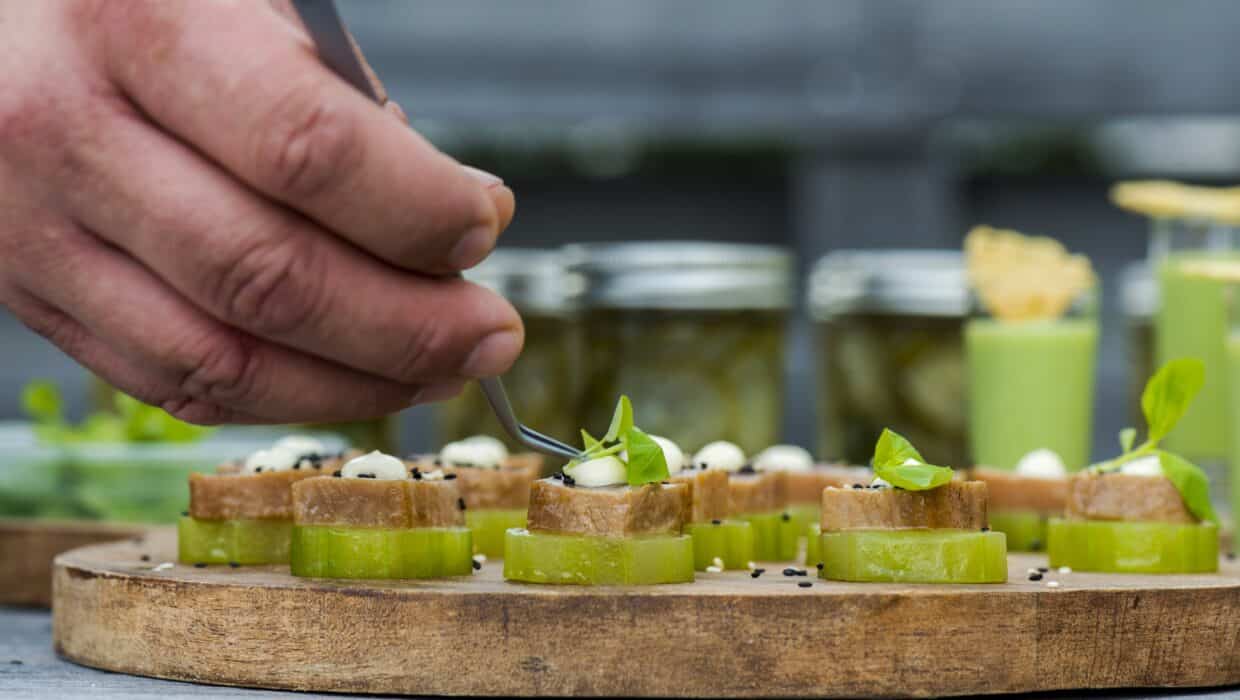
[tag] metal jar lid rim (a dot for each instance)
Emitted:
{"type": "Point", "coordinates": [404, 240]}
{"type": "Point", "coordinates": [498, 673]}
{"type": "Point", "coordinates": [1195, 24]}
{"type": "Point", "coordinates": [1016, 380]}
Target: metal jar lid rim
{"type": "Point", "coordinates": [532, 279]}
{"type": "Point", "coordinates": [684, 275]}
{"type": "Point", "coordinates": [896, 282]}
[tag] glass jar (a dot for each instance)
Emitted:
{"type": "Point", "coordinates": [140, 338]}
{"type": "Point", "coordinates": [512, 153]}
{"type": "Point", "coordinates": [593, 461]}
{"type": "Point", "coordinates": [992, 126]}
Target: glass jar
{"type": "Point", "coordinates": [543, 382]}
{"type": "Point", "coordinates": [1191, 321]}
{"type": "Point", "coordinates": [1139, 301]}
{"type": "Point", "coordinates": [692, 332]}
{"type": "Point", "coordinates": [1031, 385]}
{"type": "Point", "coordinates": [890, 332]}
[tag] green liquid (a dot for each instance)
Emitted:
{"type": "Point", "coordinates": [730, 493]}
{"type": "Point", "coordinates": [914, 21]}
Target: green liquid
{"type": "Point", "coordinates": [1031, 386]}
{"type": "Point", "coordinates": [1192, 322]}
{"type": "Point", "coordinates": [1233, 395]}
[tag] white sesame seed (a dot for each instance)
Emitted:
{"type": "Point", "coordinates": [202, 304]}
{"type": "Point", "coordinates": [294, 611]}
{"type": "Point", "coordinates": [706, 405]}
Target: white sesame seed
{"type": "Point", "coordinates": [1065, 569]}
{"type": "Point", "coordinates": [162, 567]}
{"type": "Point", "coordinates": [714, 569]}
{"type": "Point", "coordinates": [1031, 571]}
{"type": "Point", "coordinates": [717, 562]}
{"type": "Point", "coordinates": [751, 566]}
{"type": "Point", "coordinates": [1052, 584]}
{"type": "Point", "coordinates": [480, 558]}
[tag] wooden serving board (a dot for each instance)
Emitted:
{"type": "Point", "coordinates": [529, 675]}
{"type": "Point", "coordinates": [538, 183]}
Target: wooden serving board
{"type": "Point", "coordinates": [727, 635]}
{"type": "Point", "coordinates": [27, 548]}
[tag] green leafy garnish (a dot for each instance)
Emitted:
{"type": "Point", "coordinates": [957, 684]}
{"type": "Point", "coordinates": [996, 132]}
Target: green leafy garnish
{"type": "Point", "coordinates": [891, 462]}
{"type": "Point", "coordinates": [132, 421]}
{"type": "Point", "coordinates": [1166, 398]}
{"type": "Point", "coordinates": [644, 463]}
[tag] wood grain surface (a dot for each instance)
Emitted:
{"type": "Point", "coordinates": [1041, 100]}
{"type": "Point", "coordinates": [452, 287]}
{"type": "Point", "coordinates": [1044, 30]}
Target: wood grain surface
{"type": "Point", "coordinates": [27, 548]}
{"type": "Point", "coordinates": [727, 635]}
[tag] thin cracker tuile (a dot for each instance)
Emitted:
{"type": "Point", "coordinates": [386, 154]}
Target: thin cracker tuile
{"type": "Point", "coordinates": [1166, 199]}
{"type": "Point", "coordinates": [1024, 278]}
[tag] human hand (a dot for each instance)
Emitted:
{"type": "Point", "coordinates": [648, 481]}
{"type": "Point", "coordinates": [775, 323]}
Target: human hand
{"type": "Point", "coordinates": [196, 209]}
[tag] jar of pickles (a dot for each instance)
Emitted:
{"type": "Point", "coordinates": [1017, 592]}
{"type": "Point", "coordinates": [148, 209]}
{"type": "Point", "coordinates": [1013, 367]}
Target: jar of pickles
{"type": "Point", "coordinates": [891, 351]}
{"type": "Point", "coordinates": [542, 383]}
{"type": "Point", "coordinates": [692, 332]}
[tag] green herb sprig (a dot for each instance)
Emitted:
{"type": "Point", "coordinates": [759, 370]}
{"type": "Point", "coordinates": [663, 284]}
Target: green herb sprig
{"type": "Point", "coordinates": [133, 421]}
{"type": "Point", "coordinates": [1164, 402]}
{"type": "Point", "coordinates": [891, 459]}
{"type": "Point", "coordinates": [645, 462]}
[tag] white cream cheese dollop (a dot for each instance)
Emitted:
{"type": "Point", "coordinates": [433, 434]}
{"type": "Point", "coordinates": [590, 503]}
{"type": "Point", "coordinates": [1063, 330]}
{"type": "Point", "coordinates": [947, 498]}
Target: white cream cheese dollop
{"type": "Point", "coordinates": [300, 445]}
{"type": "Point", "coordinates": [603, 471]}
{"type": "Point", "coordinates": [787, 458]}
{"type": "Point", "coordinates": [477, 451]}
{"type": "Point", "coordinates": [1143, 466]}
{"type": "Point", "coordinates": [274, 459]}
{"type": "Point", "coordinates": [375, 465]}
{"type": "Point", "coordinates": [1042, 464]}
{"type": "Point", "coordinates": [720, 454]}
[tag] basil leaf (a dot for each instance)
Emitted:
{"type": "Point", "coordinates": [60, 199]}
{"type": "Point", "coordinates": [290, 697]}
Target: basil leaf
{"type": "Point", "coordinates": [1126, 437]}
{"type": "Point", "coordinates": [646, 461]}
{"type": "Point", "coordinates": [41, 401]}
{"type": "Point", "coordinates": [914, 477]}
{"type": "Point", "coordinates": [1168, 394]}
{"type": "Point", "coordinates": [621, 420]}
{"type": "Point", "coordinates": [893, 450]}
{"type": "Point", "coordinates": [588, 441]}
{"type": "Point", "coordinates": [1192, 484]}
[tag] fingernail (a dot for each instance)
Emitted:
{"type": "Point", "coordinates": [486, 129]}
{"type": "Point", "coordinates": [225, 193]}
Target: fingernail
{"type": "Point", "coordinates": [436, 392]}
{"type": "Point", "coordinates": [487, 179]}
{"type": "Point", "coordinates": [475, 245]}
{"type": "Point", "coordinates": [493, 355]}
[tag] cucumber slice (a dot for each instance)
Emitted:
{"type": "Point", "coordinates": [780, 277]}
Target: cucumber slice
{"type": "Point", "coordinates": [914, 556]}
{"type": "Point", "coordinates": [813, 544]}
{"type": "Point", "coordinates": [766, 531]}
{"type": "Point", "coordinates": [1133, 547]}
{"type": "Point", "coordinates": [326, 551]}
{"type": "Point", "coordinates": [233, 541]}
{"type": "Point", "coordinates": [730, 541]}
{"type": "Point", "coordinates": [489, 526]}
{"type": "Point", "coordinates": [537, 557]}
{"type": "Point", "coordinates": [1025, 529]}
{"type": "Point", "coordinates": [793, 524]}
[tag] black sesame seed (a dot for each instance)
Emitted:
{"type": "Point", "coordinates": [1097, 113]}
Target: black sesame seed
{"type": "Point", "coordinates": [820, 565]}
{"type": "Point", "coordinates": [365, 476]}
{"type": "Point", "coordinates": [258, 470]}
{"type": "Point", "coordinates": [568, 480]}
{"type": "Point", "coordinates": [145, 557]}
{"type": "Point", "coordinates": [438, 462]}
{"type": "Point", "coordinates": [449, 477]}
{"type": "Point", "coordinates": [460, 503]}
{"type": "Point", "coordinates": [557, 476]}
{"type": "Point", "coordinates": [791, 572]}
{"type": "Point", "coordinates": [477, 565]}
{"type": "Point", "coordinates": [1035, 545]}
{"type": "Point", "coordinates": [756, 573]}
{"type": "Point", "coordinates": [702, 465]}
{"type": "Point", "coordinates": [746, 469]}
{"type": "Point", "coordinates": [1043, 569]}
{"type": "Point", "coordinates": [234, 565]}
{"type": "Point", "coordinates": [200, 565]}
{"type": "Point", "coordinates": [985, 529]}
{"type": "Point", "coordinates": [785, 517]}
{"type": "Point", "coordinates": [1231, 556]}
{"type": "Point", "coordinates": [804, 584]}
{"type": "Point", "coordinates": [716, 522]}
{"type": "Point", "coordinates": [417, 475]}
{"type": "Point", "coordinates": [297, 466]}
{"type": "Point", "coordinates": [184, 513]}
{"type": "Point", "coordinates": [1035, 576]}
{"type": "Point", "coordinates": [336, 473]}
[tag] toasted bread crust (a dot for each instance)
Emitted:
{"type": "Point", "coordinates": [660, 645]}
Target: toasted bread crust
{"type": "Point", "coordinates": [248, 496]}
{"type": "Point", "coordinates": [957, 505]}
{"type": "Point", "coordinates": [1116, 496]}
{"type": "Point", "coordinates": [806, 487]}
{"type": "Point", "coordinates": [614, 511]}
{"type": "Point", "coordinates": [708, 494]}
{"type": "Point", "coordinates": [1011, 491]}
{"type": "Point", "coordinates": [756, 493]}
{"type": "Point", "coordinates": [377, 503]}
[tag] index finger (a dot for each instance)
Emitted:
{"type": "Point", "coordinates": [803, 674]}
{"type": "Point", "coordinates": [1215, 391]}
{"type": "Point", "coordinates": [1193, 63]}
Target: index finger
{"type": "Point", "coordinates": [244, 86]}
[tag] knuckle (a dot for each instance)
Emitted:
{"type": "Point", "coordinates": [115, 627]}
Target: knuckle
{"type": "Point", "coordinates": [305, 144]}
{"type": "Point", "coordinates": [270, 287]}
{"type": "Point", "coordinates": [220, 371]}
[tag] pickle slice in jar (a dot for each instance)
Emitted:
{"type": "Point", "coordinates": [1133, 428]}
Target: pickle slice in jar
{"type": "Point", "coordinates": [325, 551]}
{"type": "Point", "coordinates": [233, 541]}
{"type": "Point", "coordinates": [1025, 529]}
{"type": "Point", "coordinates": [729, 541]}
{"type": "Point", "coordinates": [914, 556]}
{"type": "Point", "coordinates": [537, 557]}
{"type": "Point", "coordinates": [489, 527]}
{"type": "Point", "coordinates": [1133, 547]}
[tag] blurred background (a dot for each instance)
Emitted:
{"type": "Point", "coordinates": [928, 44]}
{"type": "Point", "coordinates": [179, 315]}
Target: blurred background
{"type": "Point", "coordinates": [815, 125]}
